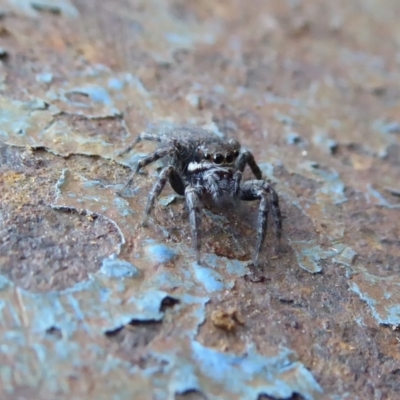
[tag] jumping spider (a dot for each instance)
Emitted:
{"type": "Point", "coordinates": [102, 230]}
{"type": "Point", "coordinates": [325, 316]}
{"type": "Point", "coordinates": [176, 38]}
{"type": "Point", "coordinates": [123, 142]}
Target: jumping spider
{"type": "Point", "coordinates": [201, 165]}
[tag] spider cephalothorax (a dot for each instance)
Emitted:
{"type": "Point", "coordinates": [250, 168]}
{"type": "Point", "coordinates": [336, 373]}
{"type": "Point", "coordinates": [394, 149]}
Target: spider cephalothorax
{"type": "Point", "coordinates": [200, 164]}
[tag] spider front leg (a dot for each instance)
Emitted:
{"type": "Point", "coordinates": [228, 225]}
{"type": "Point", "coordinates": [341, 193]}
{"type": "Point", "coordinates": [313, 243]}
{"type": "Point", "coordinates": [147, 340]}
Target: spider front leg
{"type": "Point", "coordinates": [195, 208]}
{"type": "Point", "coordinates": [261, 190]}
{"type": "Point", "coordinates": [247, 158]}
{"type": "Point", "coordinates": [168, 173]}
{"type": "Point", "coordinates": [160, 153]}
{"type": "Point", "coordinates": [237, 177]}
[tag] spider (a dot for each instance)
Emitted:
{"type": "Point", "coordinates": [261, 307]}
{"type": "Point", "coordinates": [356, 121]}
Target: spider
{"type": "Point", "coordinates": [201, 165]}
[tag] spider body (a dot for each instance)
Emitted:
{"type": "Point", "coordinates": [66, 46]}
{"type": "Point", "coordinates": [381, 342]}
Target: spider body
{"type": "Point", "coordinates": [201, 165]}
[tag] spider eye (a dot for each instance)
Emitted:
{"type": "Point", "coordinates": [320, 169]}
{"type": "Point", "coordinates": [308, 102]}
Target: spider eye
{"type": "Point", "coordinates": [207, 157]}
{"type": "Point", "coordinates": [236, 153]}
{"type": "Point", "coordinates": [218, 158]}
{"type": "Point", "coordinates": [229, 158]}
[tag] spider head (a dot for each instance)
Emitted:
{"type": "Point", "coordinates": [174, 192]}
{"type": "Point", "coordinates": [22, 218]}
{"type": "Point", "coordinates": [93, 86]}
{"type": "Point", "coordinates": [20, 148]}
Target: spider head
{"type": "Point", "coordinates": [221, 153]}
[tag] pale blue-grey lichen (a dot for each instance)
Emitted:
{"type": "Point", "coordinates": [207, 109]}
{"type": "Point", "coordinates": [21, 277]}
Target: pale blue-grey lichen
{"type": "Point", "coordinates": [95, 306]}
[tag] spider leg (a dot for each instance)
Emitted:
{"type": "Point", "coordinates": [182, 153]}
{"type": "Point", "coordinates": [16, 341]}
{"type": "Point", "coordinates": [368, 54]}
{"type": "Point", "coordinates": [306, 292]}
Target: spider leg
{"type": "Point", "coordinates": [168, 173]}
{"type": "Point", "coordinates": [276, 211]}
{"type": "Point", "coordinates": [261, 190]}
{"type": "Point", "coordinates": [177, 183]}
{"type": "Point", "coordinates": [141, 137]}
{"type": "Point", "coordinates": [160, 153]}
{"type": "Point", "coordinates": [237, 177]}
{"type": "Point", "coordinates": [247, 158]}
{"type": "Point", "coordinates": [194, 206]}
